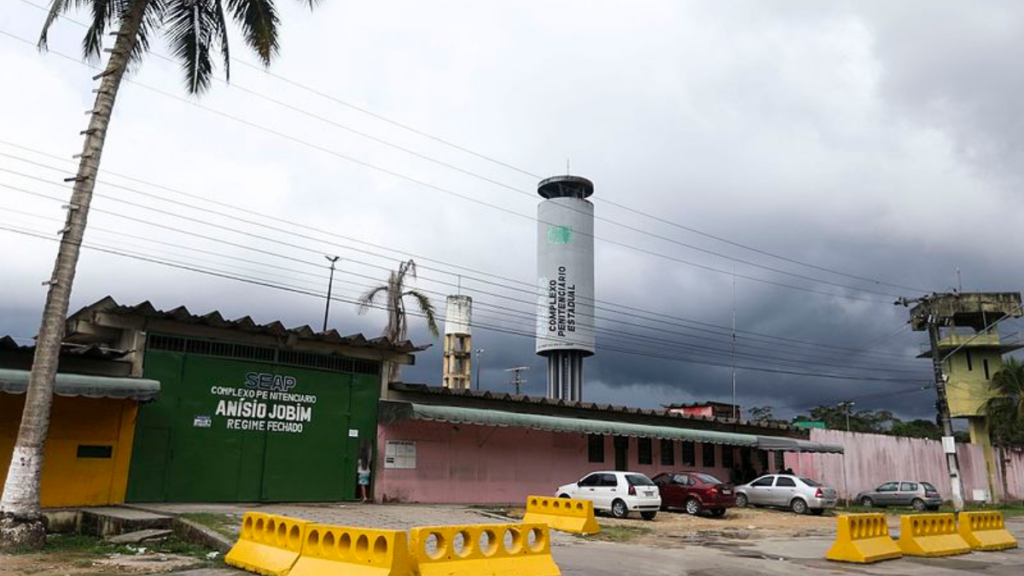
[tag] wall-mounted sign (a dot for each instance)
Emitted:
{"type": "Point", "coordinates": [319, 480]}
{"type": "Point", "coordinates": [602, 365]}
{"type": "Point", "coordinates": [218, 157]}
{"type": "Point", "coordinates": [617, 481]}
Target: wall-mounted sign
{"type": "Point", "coordinates": [202, 422]}
{"type": "Point", "coordinates": [266, 403]}
{"type": "Point", "coordinates": [400, 455]}
{"type": "Point", "coordinates": [353, 433]}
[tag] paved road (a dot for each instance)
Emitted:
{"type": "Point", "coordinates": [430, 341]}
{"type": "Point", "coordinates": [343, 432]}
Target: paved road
{"type": "Point", "coordinates": [765, 556]}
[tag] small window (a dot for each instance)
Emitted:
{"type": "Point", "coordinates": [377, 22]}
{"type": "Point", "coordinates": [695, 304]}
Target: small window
{"type": "Point", "coordinates": [689, 454]}
{"type": "Point", "coordinates": [595, 448]}
{"type": "Point", "coordinates": [780, 460]}
{"type": "Point", "coordinates": [668, 453]}
{"type": "Point", "coordinates": [708, 455]}
{"type": "Point", "coordinates": [967, 354]}
{"type": "Point", "coordinates": [682, 480]}
{"type": "Point", "coordinates": [728, 456]}
{"type": "Point", "coordinates": [608, 480]}
{"type": "Point", "coordinates": [985, 364]}
{"type": "Point", "coordinates": [785, 482]}
{"type": "Point", "coordinates": [86, 451]}
{"type": "Point", "coordinates": [810, 482]}
{"type": "Point", "coordinates": [928, 486]}
{"type": "Point", "coordinates": [908, 487]}
{"type": "Point", "coordinates": [644, 448]}
{"type": "Point", "coordinates": [763, 482]}
{"type": "Point", "coordinates": [888, 487]}
{"type": "Point", "coordinates": [592, 480]}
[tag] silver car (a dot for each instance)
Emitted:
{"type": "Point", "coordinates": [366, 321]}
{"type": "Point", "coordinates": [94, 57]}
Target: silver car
{"type": "Point", "coordinates": [801, 495]}
{"type": "Point", "coordinates": [921, 495]}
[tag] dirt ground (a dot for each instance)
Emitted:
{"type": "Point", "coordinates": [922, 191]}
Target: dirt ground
{"type": "Point", "coordinates": [76, 555]}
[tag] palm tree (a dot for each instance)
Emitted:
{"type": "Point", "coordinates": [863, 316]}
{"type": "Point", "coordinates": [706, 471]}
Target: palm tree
{"type": "Point", "coordinates": [195, 30]}
{"type": "Point", "coordinates": [1005, 411]}
{"type": "Point", "coordinates": [394, 293]}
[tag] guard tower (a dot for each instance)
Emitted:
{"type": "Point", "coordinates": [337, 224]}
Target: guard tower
{"type": "Point", "coordinates": [972, 353]}
{"type": "Point", "coordinates": [565, 282]}
{"type": "Point", "coordinates": [458, 343]}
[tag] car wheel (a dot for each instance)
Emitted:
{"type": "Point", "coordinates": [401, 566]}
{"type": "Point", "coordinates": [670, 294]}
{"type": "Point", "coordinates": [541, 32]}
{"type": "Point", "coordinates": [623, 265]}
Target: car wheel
{"type": "Point", "coordinates": [866, 502]}
{"type": "Point", "coordinates": [648, 515]}
{"type": "Point", "coordinates": [564, 496]}
{"type": "Point", "coordinates": [741, 500]}
{"type": "Point", "coordinates": [619, 509]}
{"type": "Point", "coordinates": [798, 506]}
{"type": "Point", "coordinates": [919, 505]}
{"type": "Point", "coordinates": [693, 507]}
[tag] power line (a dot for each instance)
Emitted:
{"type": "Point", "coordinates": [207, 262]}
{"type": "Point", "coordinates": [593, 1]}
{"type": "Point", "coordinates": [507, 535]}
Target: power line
{"type": "Point", "coordinates": [459, 195]}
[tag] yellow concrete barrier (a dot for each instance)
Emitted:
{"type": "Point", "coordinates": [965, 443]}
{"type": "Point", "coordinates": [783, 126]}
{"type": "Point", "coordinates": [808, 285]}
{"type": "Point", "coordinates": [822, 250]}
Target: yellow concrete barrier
{"type": "Point", "coordinates": [931, 535]}
{"type": "Point", "coordinates": [331, 550]}
{"type": "Point", "coordinates": [864, 539]}
{"type": "Point", "coordinates": [986, 531]}
{"type": "Point", "coordinates": [268, 544]}
{"type": "Point", "coordinates": [565, 514]}
{"type": "Point", "coordinates": [483, 550]}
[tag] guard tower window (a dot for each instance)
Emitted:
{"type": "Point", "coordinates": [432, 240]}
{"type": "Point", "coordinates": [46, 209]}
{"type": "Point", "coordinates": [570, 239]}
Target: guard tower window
{"type": "Point", "coordinates": [595, 448]}
{"type": "Point", "coordinates": [985, 364]}
{"type": "Point", "coordinates": [968, 355]}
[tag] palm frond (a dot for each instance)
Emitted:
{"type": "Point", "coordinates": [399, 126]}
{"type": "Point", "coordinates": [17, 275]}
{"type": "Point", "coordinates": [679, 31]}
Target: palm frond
{"type": "Point", "coordinates": [190, 27]}
{"type": "Point", "coordinates": [369, 298]}
{"type": "Point", "coordinates": [222, 37]}
{"type": "Point", "coordinates": [57, 7]}
{"type": "Point", "coordinates": [311, 3]}
{"type": "Point", "coordinates": [258, 20]}
{"type": "Point", "coordinates": [427, 308]}
{"type": "Point", "coordinates": [103, 13]}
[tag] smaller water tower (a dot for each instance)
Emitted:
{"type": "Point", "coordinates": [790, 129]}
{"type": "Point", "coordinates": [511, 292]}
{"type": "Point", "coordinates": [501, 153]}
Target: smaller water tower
{"type": "Point", "coordinates": [458, 343]}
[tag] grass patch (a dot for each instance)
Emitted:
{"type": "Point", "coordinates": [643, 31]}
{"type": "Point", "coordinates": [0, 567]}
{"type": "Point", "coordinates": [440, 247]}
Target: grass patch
{"type": "Point", "coordinates": [224, 524]}
{"type": "Point", "coordinates": [620, 533]}
{"type": "Point", "coordinates": [80, 549]}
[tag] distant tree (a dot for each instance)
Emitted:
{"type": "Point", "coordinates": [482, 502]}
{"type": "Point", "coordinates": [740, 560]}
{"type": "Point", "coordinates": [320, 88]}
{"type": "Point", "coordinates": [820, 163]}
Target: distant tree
{"type": "Point", "coordinates": [394, 294]}
{"type": "Point", "coordinates": [916, 429]}
{"type": "Point", "coordinates": [834, 417]}
{"type": "Point", "coordinates": [1006, 410]}
{"type": "Point", "coordinates": [762, 415]}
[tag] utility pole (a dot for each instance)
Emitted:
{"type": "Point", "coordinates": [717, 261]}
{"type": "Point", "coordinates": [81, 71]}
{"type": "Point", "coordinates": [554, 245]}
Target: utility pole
{"type": "Point", "coordinates": [330, 287]}
{"type": "Point", "coordinates": [518, 382]}
{"type": "Point", "coordinates": [479, 365]}
{"type": "Point", "coordinates": [941, 403]}
{"type": "Point", "coordinates": [847, 406]}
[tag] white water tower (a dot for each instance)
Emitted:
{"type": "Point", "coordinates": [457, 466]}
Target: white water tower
{"type": "Point", "coordinates": [565, 280]}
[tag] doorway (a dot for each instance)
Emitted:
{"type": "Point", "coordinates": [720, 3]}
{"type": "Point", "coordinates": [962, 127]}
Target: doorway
{"type": "Point", "coordinates": [621, 444]}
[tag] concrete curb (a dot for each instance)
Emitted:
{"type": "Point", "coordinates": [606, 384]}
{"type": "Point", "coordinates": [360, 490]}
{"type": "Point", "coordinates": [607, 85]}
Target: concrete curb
{"type": "Point", "coordinates": [201, 535]}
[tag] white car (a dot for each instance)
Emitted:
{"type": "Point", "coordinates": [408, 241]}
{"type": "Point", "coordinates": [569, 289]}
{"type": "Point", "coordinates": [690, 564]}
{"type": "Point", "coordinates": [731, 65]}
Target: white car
{"type": "Point", "coordinates": [617, 492]}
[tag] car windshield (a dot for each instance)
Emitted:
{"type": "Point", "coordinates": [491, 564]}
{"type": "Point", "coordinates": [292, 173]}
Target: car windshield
{"type": "Point", "coordinates": [707, 479]}
{"type": "Point", "coordinates": [637, 480]}
{"type": "Point", "coordinates": [929, 487]}
{"type": "Point", "coordinates": [810, 482]}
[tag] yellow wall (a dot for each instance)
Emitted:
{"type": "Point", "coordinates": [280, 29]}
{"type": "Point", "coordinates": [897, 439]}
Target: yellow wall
{"type": "Point", "coordinates": [67, 479]}
{"type": "Point", "coordinates": [968, 389]}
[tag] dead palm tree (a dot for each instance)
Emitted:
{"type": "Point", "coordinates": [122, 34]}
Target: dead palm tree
{"type": "Point", "coordinates": [394, 293]}
{"type": "Point", "coordinates": [195, 31]}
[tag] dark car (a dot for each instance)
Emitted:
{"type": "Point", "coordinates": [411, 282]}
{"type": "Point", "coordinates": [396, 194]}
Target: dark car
{"type": "Point", "coordinates": [695, 492]}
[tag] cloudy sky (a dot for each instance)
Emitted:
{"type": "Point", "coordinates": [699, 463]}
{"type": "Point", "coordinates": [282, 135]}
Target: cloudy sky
{"type": "Point", "coordinates": [833, 155]}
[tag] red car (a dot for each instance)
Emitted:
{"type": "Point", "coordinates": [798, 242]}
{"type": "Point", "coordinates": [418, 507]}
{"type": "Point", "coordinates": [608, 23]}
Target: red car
{"type": "Point", "coordinates": [695, 492]}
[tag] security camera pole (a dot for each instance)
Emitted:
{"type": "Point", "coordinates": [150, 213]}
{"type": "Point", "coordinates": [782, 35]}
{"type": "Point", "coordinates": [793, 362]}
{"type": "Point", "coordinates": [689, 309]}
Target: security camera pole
{"type": "Point", "coordinates": [941, 403]}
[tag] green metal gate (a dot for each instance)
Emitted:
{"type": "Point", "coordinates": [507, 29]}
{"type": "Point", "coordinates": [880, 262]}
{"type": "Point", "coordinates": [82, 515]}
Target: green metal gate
{"type": "Point", "coordinates": [245, 430]}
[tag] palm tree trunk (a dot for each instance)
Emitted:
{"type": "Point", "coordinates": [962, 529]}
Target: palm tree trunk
{"type": "Point", "coordinates": [20, 518]}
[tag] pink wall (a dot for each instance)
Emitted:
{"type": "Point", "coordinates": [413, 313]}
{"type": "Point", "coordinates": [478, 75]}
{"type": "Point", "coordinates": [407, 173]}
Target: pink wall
{"type": "Point", "coordinates": [872, 459]}
{"type": "Point", "coordinates": [467, 464]}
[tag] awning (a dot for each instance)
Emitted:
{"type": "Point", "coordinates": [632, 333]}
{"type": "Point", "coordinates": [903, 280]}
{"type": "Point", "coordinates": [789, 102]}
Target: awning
{"type": "Point", "coordinates": [141, 389]}
{"type": "Point", "coordinates": [393, 411]}
{"type": "Point", "coordinates": [794, 445]}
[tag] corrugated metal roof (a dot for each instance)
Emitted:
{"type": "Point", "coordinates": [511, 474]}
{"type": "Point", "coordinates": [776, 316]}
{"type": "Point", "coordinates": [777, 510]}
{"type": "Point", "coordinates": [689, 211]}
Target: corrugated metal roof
{"type": "Point", "coordinates": [393, 411]}
{"type": "Point", "coordinates": [141, 389]}
{"type": "Point", "coordinates": [246, 324]}
{"type": "Point", "coordinates": [540, 400]}
{"type": "Point", "coordinates": [83, 351]}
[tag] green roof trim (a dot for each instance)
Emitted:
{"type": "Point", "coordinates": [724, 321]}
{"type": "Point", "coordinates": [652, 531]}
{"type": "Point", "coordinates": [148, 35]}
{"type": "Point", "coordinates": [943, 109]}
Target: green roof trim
{"type": "Point", "coordinates": [141, 389]}
{"type": "Point", "coordinates": [393, 411]}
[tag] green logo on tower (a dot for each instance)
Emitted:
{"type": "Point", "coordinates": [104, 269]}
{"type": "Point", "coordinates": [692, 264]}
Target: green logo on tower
{"type": "Point", "coordinates": [559, 234]}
